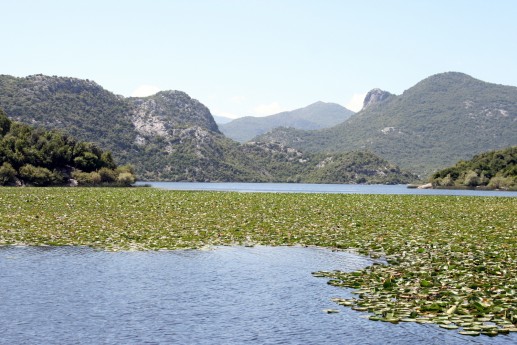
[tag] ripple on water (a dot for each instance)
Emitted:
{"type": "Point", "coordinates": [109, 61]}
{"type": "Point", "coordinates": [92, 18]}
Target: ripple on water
{"type": "Point", "coordinates": [230, 295]}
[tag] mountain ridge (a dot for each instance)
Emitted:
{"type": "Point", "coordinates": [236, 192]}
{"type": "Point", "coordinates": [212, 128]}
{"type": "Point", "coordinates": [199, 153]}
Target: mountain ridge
{"type": "Point", "coordinates": [440, 120]}
{"type": "Point", "coordinates": [167, 136]}
{"type": "Point", "coordinates": [314, 116]}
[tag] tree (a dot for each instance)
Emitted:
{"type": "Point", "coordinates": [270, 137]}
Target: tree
{"type": "Point", "coordinates": [471, 179]}
{"type": "Point", "coordinates": [7, 174]}
{"type": "Point", "coordinates": [5, 123]}
{"type": "Point", "coordinates": [36, 176]}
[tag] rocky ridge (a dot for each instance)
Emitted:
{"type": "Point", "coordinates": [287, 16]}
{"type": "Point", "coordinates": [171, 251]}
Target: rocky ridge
{"type": "Point", "coordinates": [166, 136]}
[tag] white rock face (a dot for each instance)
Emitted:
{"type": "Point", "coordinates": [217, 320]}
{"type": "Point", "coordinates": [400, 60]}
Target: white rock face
{"type": "Point", "coordinates": [172, 115]}
{"type": "Point", "coordinates": [146, 121]}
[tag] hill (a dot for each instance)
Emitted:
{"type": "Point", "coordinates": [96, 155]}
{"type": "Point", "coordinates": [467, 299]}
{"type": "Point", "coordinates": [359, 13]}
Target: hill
{"type": "Point", "coordinates": [33, 156]}
{"type": "Point", "coordinates": [492, 170]}
{"type": "Point", "coordinates": [442, 119]}
{"type": "Point", "coordinates": [221, 120]}
{"type": "Point", "coordinates": [315, 116]}
{"type": "Point", "coordinates": [166, 136]}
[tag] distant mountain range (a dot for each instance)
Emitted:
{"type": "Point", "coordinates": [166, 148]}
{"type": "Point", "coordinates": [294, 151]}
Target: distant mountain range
{"type": "Point", "coordinates": [170, 136]}
{"type": "Point", "coordinates": [439, 121]}
{"type": "Point", "coordinates": [315, 116]}
{"type": "Point", "coordinates": [221, 120]}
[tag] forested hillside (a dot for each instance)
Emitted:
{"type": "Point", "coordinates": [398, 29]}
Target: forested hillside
{"type": "Point", "coordinates": [444, 118]}
{"type": "Point", "coordinates": [34, 156]}
{"type": "Point", "coordinates": [492, 170]}
{"type": "Point", "coordinates": [167, 136]}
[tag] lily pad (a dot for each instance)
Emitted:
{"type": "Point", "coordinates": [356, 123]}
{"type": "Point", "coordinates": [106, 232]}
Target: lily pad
{"type": "Point", "coordinates": [470, 333]}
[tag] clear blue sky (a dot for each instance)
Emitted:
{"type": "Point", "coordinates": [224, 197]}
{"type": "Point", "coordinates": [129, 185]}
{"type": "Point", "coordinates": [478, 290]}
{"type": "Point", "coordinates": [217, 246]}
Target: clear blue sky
{"type": "Point", "coordinates": [259, 57]}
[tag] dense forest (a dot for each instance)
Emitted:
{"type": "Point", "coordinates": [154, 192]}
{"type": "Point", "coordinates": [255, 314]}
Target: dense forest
{"type": "Point", "coordinates": [39, 157]}
{"type": "Point", "coordinates": [492, 170]}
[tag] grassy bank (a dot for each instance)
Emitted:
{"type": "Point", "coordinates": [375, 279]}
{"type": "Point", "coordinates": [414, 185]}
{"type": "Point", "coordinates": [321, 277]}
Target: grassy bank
{"type": "Point", "coordinates": [451, 257]}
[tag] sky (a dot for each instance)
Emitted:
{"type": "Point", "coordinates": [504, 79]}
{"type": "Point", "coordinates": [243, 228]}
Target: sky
{"type": "Point", "coordinates": [260, 57]}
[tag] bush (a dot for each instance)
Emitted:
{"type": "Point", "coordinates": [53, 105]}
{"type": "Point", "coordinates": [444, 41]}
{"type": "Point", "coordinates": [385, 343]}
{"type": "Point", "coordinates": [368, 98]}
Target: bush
{"type": "Point", "coordinates": [499, 182]}
{"type": "Point", "coordinates": [471, 179]}
{"type": "Point", "coordinates": [125, 168]}
{"type": "Point", "coordinates": [107, 175]}
{"type": "Point", "coordinates": [86, 178]}
{"type": "Point", "coordinates": [126, 179]}
{"type": "Point", "coordinates": [7, 174]}
{"type": "Point", "coordinates": [36, 176]}
{"type": "Point", "coordinates": [446, 181]}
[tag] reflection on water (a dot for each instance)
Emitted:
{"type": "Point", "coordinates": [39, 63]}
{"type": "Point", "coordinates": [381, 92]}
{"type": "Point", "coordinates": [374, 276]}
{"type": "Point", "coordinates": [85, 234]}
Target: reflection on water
{"type": "Point", "coordinates": [230, 295]}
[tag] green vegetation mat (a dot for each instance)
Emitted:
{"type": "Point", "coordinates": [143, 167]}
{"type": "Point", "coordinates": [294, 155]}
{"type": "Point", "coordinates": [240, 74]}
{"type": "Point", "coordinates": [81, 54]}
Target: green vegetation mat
{"type": "Point", "coordinates": [452, 260]}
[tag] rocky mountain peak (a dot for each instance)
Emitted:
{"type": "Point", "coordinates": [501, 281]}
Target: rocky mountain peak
{"type": "Point", "coordinates": [375, 96]}
{"type": "Point", "coordinates": [167, 110]}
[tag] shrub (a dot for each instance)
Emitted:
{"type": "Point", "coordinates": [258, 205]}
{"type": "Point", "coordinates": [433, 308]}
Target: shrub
{"type": "Point", "coordinates": [471, 179]}
{"type": "Point", "coordinates": [36, 176]}
{"type": "Point", "coordinates": [7, 174]}
{"type": "Point", "coordinates": [499, 182]}
{"type": "Point", "coordinates": [86, 178]}
{"type": "Point", "coordinates": [126, 179]}
{"type": "Point", "coordinates": [107, 175]}
{"type": "Point", "coordinates": [125, 168]}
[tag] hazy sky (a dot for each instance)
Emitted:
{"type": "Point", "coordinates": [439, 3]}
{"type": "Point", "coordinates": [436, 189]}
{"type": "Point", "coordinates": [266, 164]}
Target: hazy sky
{"type": "Point", "coordinates": [252, 57]}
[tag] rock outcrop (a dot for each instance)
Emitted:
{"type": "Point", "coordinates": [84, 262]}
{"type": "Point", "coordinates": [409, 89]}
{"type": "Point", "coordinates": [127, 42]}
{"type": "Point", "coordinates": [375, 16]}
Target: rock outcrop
{"type": "Point", "coordinates": [375, 96]}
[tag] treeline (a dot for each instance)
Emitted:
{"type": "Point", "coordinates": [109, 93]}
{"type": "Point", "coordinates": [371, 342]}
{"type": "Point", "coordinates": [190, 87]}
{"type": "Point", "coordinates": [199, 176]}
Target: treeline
{"type": "Point", "coordinates": [38, 157]}
{"type": "Point", "coordinates": [492, 170]}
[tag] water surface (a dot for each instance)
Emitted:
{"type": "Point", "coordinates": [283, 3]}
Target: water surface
{"type": "Point", "coordinates": [231, 295]}
{"type": "Point", "coordinates": [319, 188]}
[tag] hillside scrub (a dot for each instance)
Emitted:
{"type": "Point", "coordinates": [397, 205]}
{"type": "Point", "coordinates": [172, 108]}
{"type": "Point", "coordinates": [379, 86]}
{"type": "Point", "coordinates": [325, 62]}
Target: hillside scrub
{"type": "Point", "coordinates": [490, 170]}
{"type": "Point", "coordinates": [34, 156]}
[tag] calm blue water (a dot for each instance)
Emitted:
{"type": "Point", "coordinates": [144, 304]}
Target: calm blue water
{"type": "Point", "coordinates": [319, 188]}
{"type": "Point", "coordinates": [230, 295]}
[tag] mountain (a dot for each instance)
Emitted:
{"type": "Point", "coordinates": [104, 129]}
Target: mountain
{"type": "Point", "coordinates": [315, 116]}
{"type": "Point", "coordinates": [221, 120]}
{"type": "Point", "coordinates": [34, 156]}
{"type": "Point", "coordinates": [167, 136]}
{"type": "Point", "coordinates": [442, 119]}
{"type": "Point", "coordinates": [492, 170]}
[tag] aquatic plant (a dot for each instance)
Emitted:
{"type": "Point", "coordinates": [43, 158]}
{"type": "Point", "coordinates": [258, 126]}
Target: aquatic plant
{"type": "Point", "coordinates": [449, 260]}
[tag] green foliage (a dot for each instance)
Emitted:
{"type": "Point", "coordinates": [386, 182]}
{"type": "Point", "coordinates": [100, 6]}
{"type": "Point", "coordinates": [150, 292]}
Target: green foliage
{"type": "Point", "coordinates": [107, 175]}
{"type": "Point", "coordinates": [167, 136]}
{"type": "Point", "coordinates": [357, 167]}
{"type": "Point", "coordinates": [499, 182]}
{"type": "Point", "coordinates": [87, 178]}
{"type": "Point", "coordinates": [42, 158]}
{"type": "Point", "coordinates": [439, 121]}
{"type": "Point", "coordinates": [442, 240]}
{"type": "Point", "coordinates": [494, 169]}
{"type": "Point", "coordinates": [37, 176]}
{"type": "Point", "coordinates": [5, 123]}
{"type": "Point", "coordinates": [79, 107]}
{"type": "Point", "coordinates": [126, 179]}
{"type": "Point", "coordinates": [7, 174]}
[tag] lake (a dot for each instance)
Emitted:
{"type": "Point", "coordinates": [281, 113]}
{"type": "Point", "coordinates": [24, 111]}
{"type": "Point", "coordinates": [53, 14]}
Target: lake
{"type": "Point", "coordinates": [318, 188]}
{"type": "Point", "coordinates": [229, 295]}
